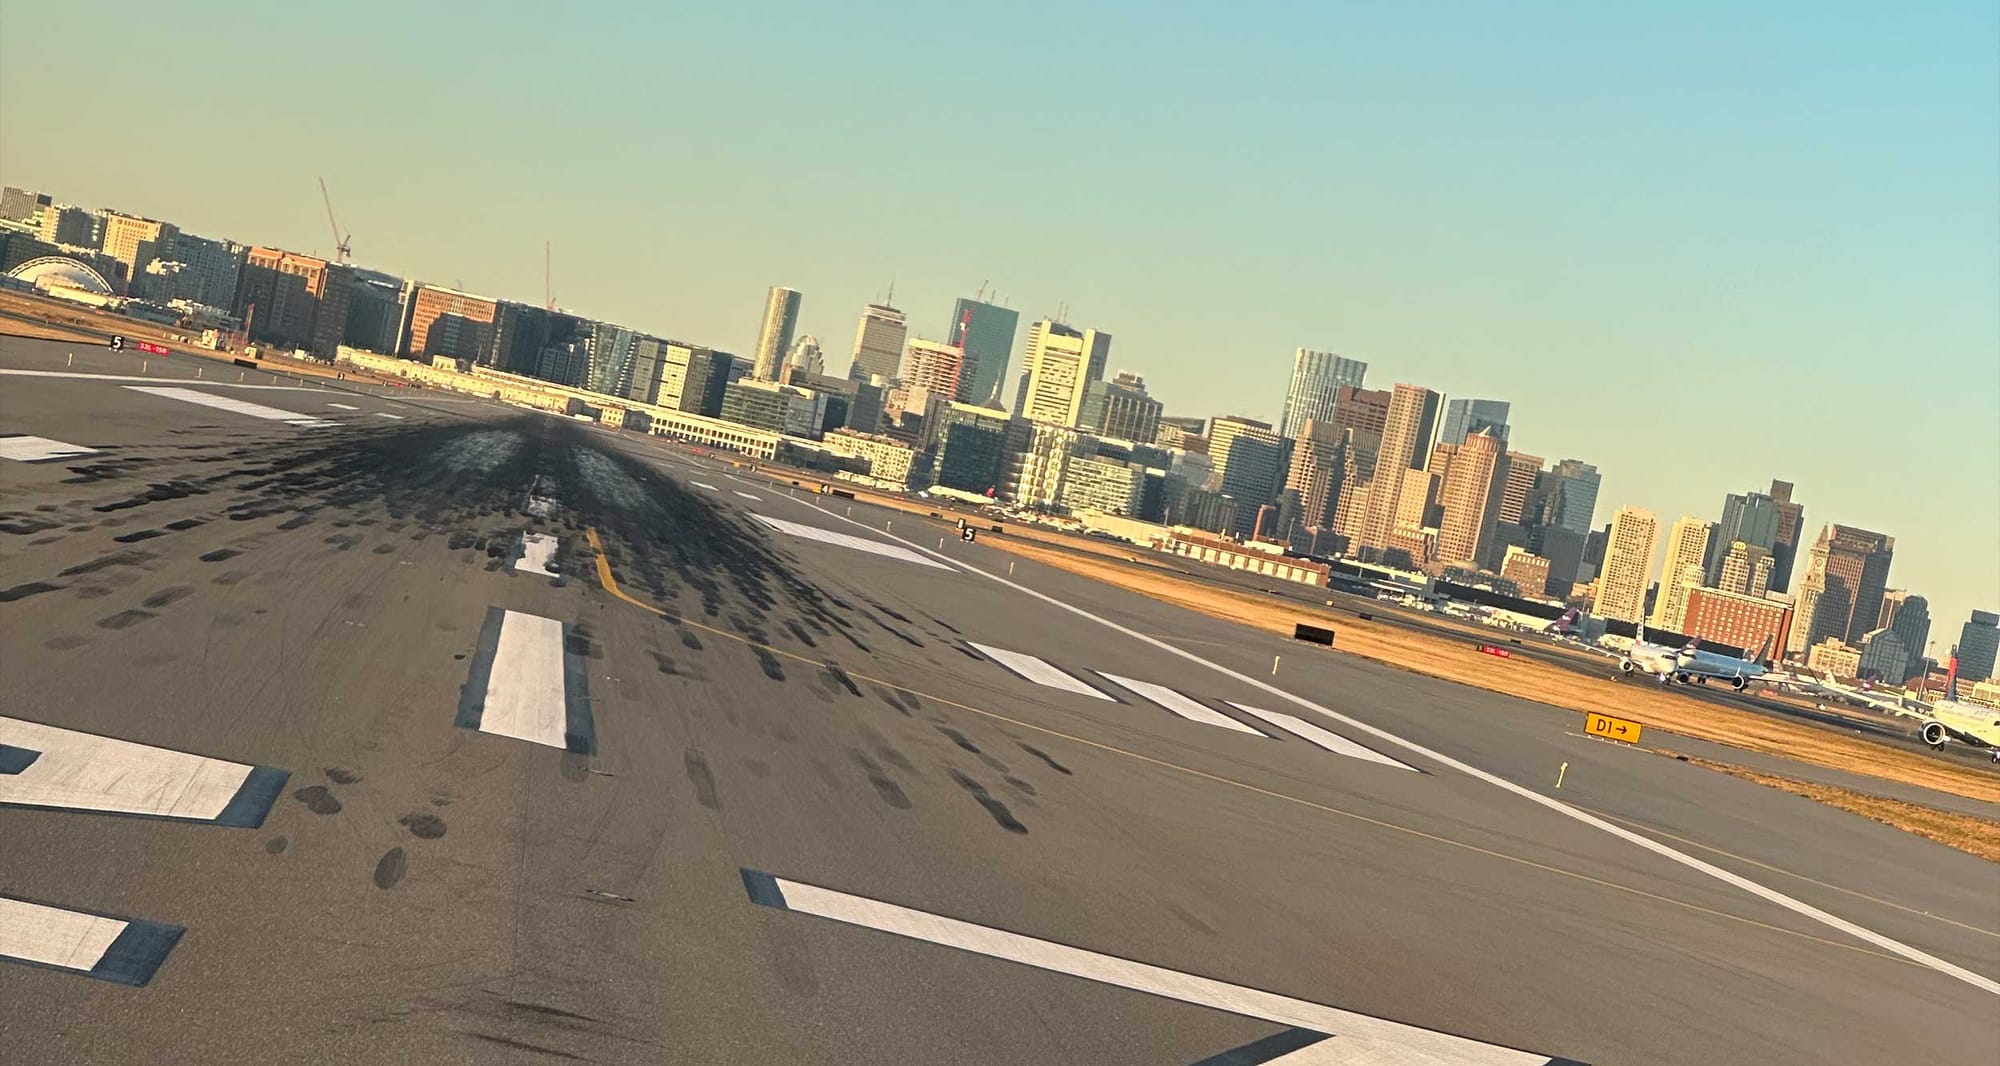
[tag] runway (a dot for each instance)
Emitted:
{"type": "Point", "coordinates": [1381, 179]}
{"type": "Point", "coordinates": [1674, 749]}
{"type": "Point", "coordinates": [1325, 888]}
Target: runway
{"type": "Point", "coordinates": [596, 750]}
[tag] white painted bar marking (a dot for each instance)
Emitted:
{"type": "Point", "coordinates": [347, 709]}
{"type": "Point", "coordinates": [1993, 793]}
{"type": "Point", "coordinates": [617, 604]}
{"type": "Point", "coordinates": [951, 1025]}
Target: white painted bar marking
{"type": "Point", "coordinates": [524, 692]}
{"type": "Point", "coordinates": [52, 936]}
{"type": "Point", "coordinates": [92, 773]}
{"type": "Point", "coordinates": [1390, 1042]}
{"type": "Point", "coordinates": [36, 449]}
{"type": "Point", "coordinates": [703, 485]}
{"type": "Point", "coordinates": [80, 376]}
{"type": "Point", "coordinates": [344, 406]}
{"type": "Point", "coordinates": [748, 496]}
{"type": "Point", "coordinates": [827, 536]}
{"type": "Point", "coordinates": [1319, 737]}
{"type": "Point", "coordinates": [1181, 705]}
{"type": "Point", "coordinates": [230, 404]}
{"type": "Point", "coordinates": [1770, 895]}
{"type": "Point", "coordinates": [536, 551]}
{"type": "Point", "coordinates": [1038, 671]}
{"type": "Point", "coordinates": [385, 414]}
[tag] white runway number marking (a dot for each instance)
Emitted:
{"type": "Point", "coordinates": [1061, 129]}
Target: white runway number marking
{"type": "Point", "coordinates": [843, 540]}
{"type": "Point", "coordinates": [26, 449]}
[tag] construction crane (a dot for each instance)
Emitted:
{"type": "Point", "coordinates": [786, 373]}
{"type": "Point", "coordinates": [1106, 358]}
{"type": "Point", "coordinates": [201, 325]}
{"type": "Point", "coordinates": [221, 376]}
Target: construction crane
{"type": "Point", "coordinates": [548, 282]}
{"type": "Point", "coordinates": [341, 250]}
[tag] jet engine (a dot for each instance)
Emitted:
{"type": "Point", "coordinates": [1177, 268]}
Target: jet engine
{"type": "Point", "coordinates": [1933, 734]}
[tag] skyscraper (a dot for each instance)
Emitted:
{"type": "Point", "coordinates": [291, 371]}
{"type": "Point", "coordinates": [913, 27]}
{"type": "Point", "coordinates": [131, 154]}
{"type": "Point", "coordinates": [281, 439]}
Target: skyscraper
{"type": "Point", "coordinates": [293, 301]}
{"type": "Point", "coordinates": [1246, 454]}
{"type": "Point", "coordinates": [1791, 529]}
{"type": "Point", "coordinates": [781, 319]}
{"type": "Point", "coordinates": [934, 366]}
{"type": "Point", "coordinates": [878, 343]}
{"type": "Point", "coordinates": [1573, 495]}
{"type": "Point", "coordinates": [1121, 408]}
{"type": "Point", "coordinates": [986, 332]}
{"type": "Point", "coordinates": [1909, 616]}
{"type": "Point", "coordinates": [1628, 562]}
{"type": "Point", "coordinates": [1407, 436]}
{"type": "Point", "coordinates": [67, 224]}
{"type": "Point", "coordinates": [805, 356]}
{"type": "Point", "coordinates": [1746, 570]}
{"type": "Point", "coordinates": [1687, 545]}
{"type": "Point", "coordinates": [1470, 489]}
{"type": "Point", "coordinates": [1857, 571]}
{"type": "Point", "coordinates": [1463, 418]}
{"type": "Point", "coordinates": [1751, 517]}
{"type": "Point", "coordinates": [1314, 391]}
{"type": "Point", "coordinates": [1314, 476]}
{"type": "Point", "coordinates": [1062, 361]}
{"type": "Point", "coordinates": [1978, 646]}
{"type": "Point", "coordinates": [1363, 410]}
{"type": "Point", "coordinates": [1522, 470]}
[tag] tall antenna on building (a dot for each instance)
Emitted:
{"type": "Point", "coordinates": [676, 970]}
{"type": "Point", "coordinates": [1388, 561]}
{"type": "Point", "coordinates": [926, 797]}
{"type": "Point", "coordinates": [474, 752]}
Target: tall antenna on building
{"type": "Point", "coordinates": [980, 296]}
{"type": "Point", "coordinates": [548, 284]}
{"type": "Point", "coordinates": [891, 301]}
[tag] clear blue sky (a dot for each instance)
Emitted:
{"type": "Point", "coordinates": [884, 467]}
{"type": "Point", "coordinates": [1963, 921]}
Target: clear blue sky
{"type": "Point", "coordinates": [1699, 247]}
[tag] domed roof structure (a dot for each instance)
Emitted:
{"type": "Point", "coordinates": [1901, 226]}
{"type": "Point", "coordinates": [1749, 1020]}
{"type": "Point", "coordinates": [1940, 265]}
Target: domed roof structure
{"type": "Point", "coordinates": [61, 272]}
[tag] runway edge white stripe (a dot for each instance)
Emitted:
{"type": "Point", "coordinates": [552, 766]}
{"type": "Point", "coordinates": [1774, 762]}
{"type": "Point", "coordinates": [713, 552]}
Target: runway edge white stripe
{"type": "Point", "coordinates": [1769, 895]}
{"type": "Point", "coordinates": [1390, 1043]}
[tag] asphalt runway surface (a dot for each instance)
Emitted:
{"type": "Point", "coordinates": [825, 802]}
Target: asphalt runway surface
{"type": "Point", "coordinates": [765, 781]}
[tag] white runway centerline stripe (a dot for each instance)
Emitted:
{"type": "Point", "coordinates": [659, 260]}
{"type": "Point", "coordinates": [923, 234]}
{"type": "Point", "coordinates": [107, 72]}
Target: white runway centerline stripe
{"type": "Point", "coordinates": [1366, 1039]}
{"type": "Point", "coordinates": [344, 406]}
{"type": "Point", "coordinates": [26, 449]}
{"type": "Point", "coordinates": [861, 544]}
{"type": "Point", "coordinates": [748, 496]}
{"type": "Point", "coordinates": [385, 414]}
{"type": "Point", "coordinates": [703, 485]}
{"type": "Point", "coordinates": [1315, 735]}
{"type": "Point", "coordinates": [534, 553]}
{"type": "Point", "coordinates": [1180, 705]}
{"type": "Point", "coordinates": [124, 950]}
{"type": "Point", "coordinates": [1039, 671]}
{"type": "Point", "coordinates": [227, 403]}
{"type": "Point", "coordinates": [526, 685]}
{"type": "Point", "coordinates": [45, 766]}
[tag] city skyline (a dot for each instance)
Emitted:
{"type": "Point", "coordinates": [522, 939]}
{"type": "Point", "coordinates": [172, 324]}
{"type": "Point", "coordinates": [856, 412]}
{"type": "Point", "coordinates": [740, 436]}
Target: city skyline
{"type": "Point", "coordinates": [1811, 363]}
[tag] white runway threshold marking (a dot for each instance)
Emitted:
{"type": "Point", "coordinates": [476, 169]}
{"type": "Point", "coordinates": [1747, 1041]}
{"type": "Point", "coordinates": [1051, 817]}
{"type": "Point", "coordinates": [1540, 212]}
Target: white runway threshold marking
{"type": "Point", "coordinates": [843, 540]}
{"type": "Point", "coordinates": [1039, 671]}
{"type": "Point", "coordinates": [45, 766]}
{"type": "Point", "coordinates": [26, 449]}
{"type": "Point", "coordinates": [526, 685]}
{"type": "Point", "coordinates": [1181, 705]}
{"type": "Point", "coordinates": [1666, 851]}
{"type": "Point", "coordinates": [232, 405]}
{"type": "Point", "coordinates": [1323, 738]}
{"type": "Point", "coordinates": [1363, 1038]}
{"type": "Point", "coordinates": [532, 555]}
{"type": "Point", "coordinates": [110, 949]}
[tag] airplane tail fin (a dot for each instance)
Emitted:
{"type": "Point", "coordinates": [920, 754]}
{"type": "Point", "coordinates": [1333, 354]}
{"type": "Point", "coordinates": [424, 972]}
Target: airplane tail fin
{"type": "Point", "coordinates": [1561, 625]}
{"type": "Point", "coordinates": [1951, 678]}
{"type": "Point", "coordinates": [1763, 649]}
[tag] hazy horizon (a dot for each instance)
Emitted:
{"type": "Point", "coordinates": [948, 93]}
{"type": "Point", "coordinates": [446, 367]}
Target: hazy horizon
{"type": "Point", "coordinates": [1699, 249]}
